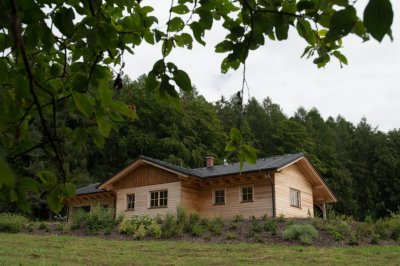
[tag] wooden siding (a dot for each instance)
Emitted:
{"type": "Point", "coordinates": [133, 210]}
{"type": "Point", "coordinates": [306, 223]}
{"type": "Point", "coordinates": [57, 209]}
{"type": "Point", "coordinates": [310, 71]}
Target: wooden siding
{"type": "Point", "coordinates": [293, 177]}
{"type": "Point", "coordinates": [145, 175]}
{"type": "Point", "coordinates": [92, 202]}
{"type": "Point", "coordinates": [142, 199]}
{"type": "Point", "coordinates": [190, 196]}
{"type": "Point", "coordinates": [261, 204]}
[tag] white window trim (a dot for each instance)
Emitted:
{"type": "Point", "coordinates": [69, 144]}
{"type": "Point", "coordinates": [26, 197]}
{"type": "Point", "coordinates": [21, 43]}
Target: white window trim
{"type": "Point", "coordinates": [241, 193]}
{"type": "Point", "coordinates": [290, 198]}
{"type": "Point", "coordinates": [213, 196]}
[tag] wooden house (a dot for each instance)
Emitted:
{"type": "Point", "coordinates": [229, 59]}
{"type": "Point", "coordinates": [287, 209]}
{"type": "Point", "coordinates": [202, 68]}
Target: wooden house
{"type": "Point", "coordinates": [287, 185]}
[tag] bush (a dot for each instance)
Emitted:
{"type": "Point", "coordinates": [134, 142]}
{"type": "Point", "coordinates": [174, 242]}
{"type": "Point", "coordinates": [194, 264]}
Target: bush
{"type": "Point", "coordinates": [44, 226]}
{"type": "Point", "coordinates": [271, 226]}
{"type": "Point", "coordinates": [29, 227]}
{"type": "Point", "coordinates": [230, 235]}
{"type": "Point", "coordinates": [181, 215]}
{"type": "Point", "coordinates": [255, 225]}
{"type": "Point", "coordinates": [126, 227]}
{"type": "Point", "coordinates": [141, 232]}
{"type": "Point", "coordinates": [365, 229]}
{"type": "Point", "coordinates": [381, 229]}
{"type": "Point", "coordinates": [79, 217]}
{"type": "Point", "coordinates": [12, 223]}
{"type": "Point", "coordinates": [194, 218]}
{"type": "Point", "coordinates": [353, 241]}
{"type": "Point", "coordinates": [59, 227]}
{"type": "Point", "coordinates": [215, 225]}
{"type": "Point", "coordinates": [238, 218]}
{"type": "Point", "coordinates": [393, 225]}
{"type": "Point", "coordinates": [338, 230]}
{"type": "Point", "coordinates": [66, 228]}
{"type": "Point", "coordinates": [155, 230]}
{"type": "Point", "coordinates": [100, 218]}
{"type": "Point", "coordinates": [305, 233]}
{"type": "Point", "coordinates": [170, 226]}
{"type": "Point", "coordinates": [197, 230]}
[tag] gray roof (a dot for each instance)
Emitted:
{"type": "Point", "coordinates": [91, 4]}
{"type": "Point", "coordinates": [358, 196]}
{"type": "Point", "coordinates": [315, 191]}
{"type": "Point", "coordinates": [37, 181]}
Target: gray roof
{"type": "Point", "coordinates": [263, 164]}
{"type": "Point", "coordinates": [89, 189]}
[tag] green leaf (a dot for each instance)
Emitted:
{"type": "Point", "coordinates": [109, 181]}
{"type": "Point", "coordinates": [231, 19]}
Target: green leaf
{"type": "Point", "coordinates": [69, 190]}
{"type": "Point", "coordinates": [175, 24]}
{"type": "Point", "coordinates": [231, 147]}
{"type": "Point", "coordinates": [104, 125]}
{"type": "Point", "coordinates": [341, 57]}
{"type": "Point", "coordinates": [82, 103]}
{"type": "Point", "coordinates": [235, 135]}
{"type": "Point", "coordinates": [123, 109]}
{"type": "Point", "coordinates": [29, 183]}
{"type": "Point", "coordinates": [7, 176]}
{"type": "Point", "coordinates": [105, 94]}
{"type": "Point", "coordinates": [64, 21]}
{"type": "Point", "coordinates": [342, 22]}
{"type": "Point", "coordinates": [180, 9]}
{"type": "Point", "coordinates": [167, 46]}
{"type": "Point", "coordinates": [378, 18]}
{"type": "Point", "coordinates": [182, 80]}
{"type": "Point", "coordinates": [249, 154]}
{"type": "Point", "coordinates": [55, 200]}
{"type": "Point", "coordinates": [97, 137]}
{"type": "Point", "coordinates": [47, 177]}
{"type": "Point", "coordinates": [198, 32]}
{"type": "Point", "coordinates": [305, 4]}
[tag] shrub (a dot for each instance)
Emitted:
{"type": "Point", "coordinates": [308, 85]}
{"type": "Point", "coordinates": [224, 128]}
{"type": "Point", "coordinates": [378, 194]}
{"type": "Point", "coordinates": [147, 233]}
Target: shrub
{"type": "Point", "coordinates": [29, 227]}
{"type": "Point", "coordinates": [230, 235]}
{"type": "Point", "coordinates": [215, 225]}
{"type": "Point", "coordinates": [365, 229]}
{"type": "Point", "coordinates": [255, 225]}
{"type": "Point", "coordinates": [381, 229]}
{"type": "Point", "coordinates": [374, 239]}
{"type": "Point", "coordinates": [44, 226]}
{"type": "Point", "coordinates": [66, 228]}
{"type": "Point", "coordinates": [338, 230]}
{"type": "Point", "coordinates": [234, 225]}
{"type": "Point", "coordinates": [393, 225]}
{"type": "Point", "coordinates": [194, 218]}
{"type": "Point", "coordinates": [79, 217]}
{"type": "Point", "coordinates": [197, 230]}
{"type": "Point", "coordinates": [100, 218]}
{"type": "Point", "coordinates": [238, 218]}
{"type": "Point", "coordinates": [281, 218]}
{"type": "Point", "coordinates": [264, 217]}
{"type": "Point", "coordinates": [181, 215]}
{"type": "Point", "coordinates": [170, 227]}
{"type": "Point", "coordinates": [141, 232]}
{"type": "Point", "coordinates": [126, 227]}
{"type": "Point", "coordinates": [59, 227]}
{"type": "Point", "coordinates": [12, 223]}
{"type": "Point", "coordinates": [155, 229]}
{"type": "Point", "coordinates": [353, 241]}
{"type": "Point", "coordinates": [305, 233]}
{"type": "Point", "coordinates": [271, 226]}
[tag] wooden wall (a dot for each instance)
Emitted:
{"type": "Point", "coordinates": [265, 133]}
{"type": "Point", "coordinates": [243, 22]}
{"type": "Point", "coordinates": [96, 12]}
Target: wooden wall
{"type": "Point", "coordinates": [293, 177]}
{"type": "Point", "coordinates": [145, 175]}
{"type": "Point", "coordinates": [142, 199]}
{"type": "Point", "coordinates": [261, 205]}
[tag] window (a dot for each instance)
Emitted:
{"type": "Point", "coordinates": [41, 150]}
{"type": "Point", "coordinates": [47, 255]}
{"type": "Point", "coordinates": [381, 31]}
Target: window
{"type": "Point", "coordinates": [247, 194]}
{"type": "Point", "coordinates": [83, 208]}
{"type": "Point", "coordinates": [219, 196]}
{"type": "Point", "coordinates": [130, 200]}
{"type": "Point", "coordinates": [295, 197]}
{"type": "Point", "coordinates": [159, 198]}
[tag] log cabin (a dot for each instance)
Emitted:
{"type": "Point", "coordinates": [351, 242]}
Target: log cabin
{"type": "Point", "coordinates": [286, 185]}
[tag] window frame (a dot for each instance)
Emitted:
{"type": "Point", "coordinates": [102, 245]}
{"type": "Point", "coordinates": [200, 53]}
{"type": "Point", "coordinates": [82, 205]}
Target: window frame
{"type": "Point", "coordinates": [292, 203]}
{"type": "Point", "coordinates": [159, 199]}
{"type": "Point", "coordinates": [214, 196]}
{"type": "Point", "coordinates": [241, 193]}
{"type": "Point", "coordinates": [127, 201]}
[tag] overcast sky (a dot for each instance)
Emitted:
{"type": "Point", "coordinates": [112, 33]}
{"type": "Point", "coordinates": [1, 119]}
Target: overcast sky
{"type": "Point", "coordinates": [369, 86]}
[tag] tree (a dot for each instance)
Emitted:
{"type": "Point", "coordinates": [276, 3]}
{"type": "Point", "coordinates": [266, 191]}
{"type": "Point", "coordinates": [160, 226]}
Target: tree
{"type": "Point", "coordinates": [60, 56]}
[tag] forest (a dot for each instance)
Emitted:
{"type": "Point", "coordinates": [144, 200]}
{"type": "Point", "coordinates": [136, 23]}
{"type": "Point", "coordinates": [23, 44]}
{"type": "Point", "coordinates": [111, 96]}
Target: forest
{"type": "Point", "coordinates": [360, 163]}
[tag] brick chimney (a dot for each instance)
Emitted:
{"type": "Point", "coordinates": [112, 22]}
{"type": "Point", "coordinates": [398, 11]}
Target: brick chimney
{"type": "Point", "coordinates": [210, 161]}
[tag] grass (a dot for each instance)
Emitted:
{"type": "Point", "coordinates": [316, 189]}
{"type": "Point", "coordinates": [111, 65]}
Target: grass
{"type": "Point", "coordinates": [22, 249]}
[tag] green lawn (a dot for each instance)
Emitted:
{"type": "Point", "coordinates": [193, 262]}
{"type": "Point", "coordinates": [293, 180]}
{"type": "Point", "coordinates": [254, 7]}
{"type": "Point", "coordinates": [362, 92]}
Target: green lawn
{"type": "Point", "coordinates": [22, 249]}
